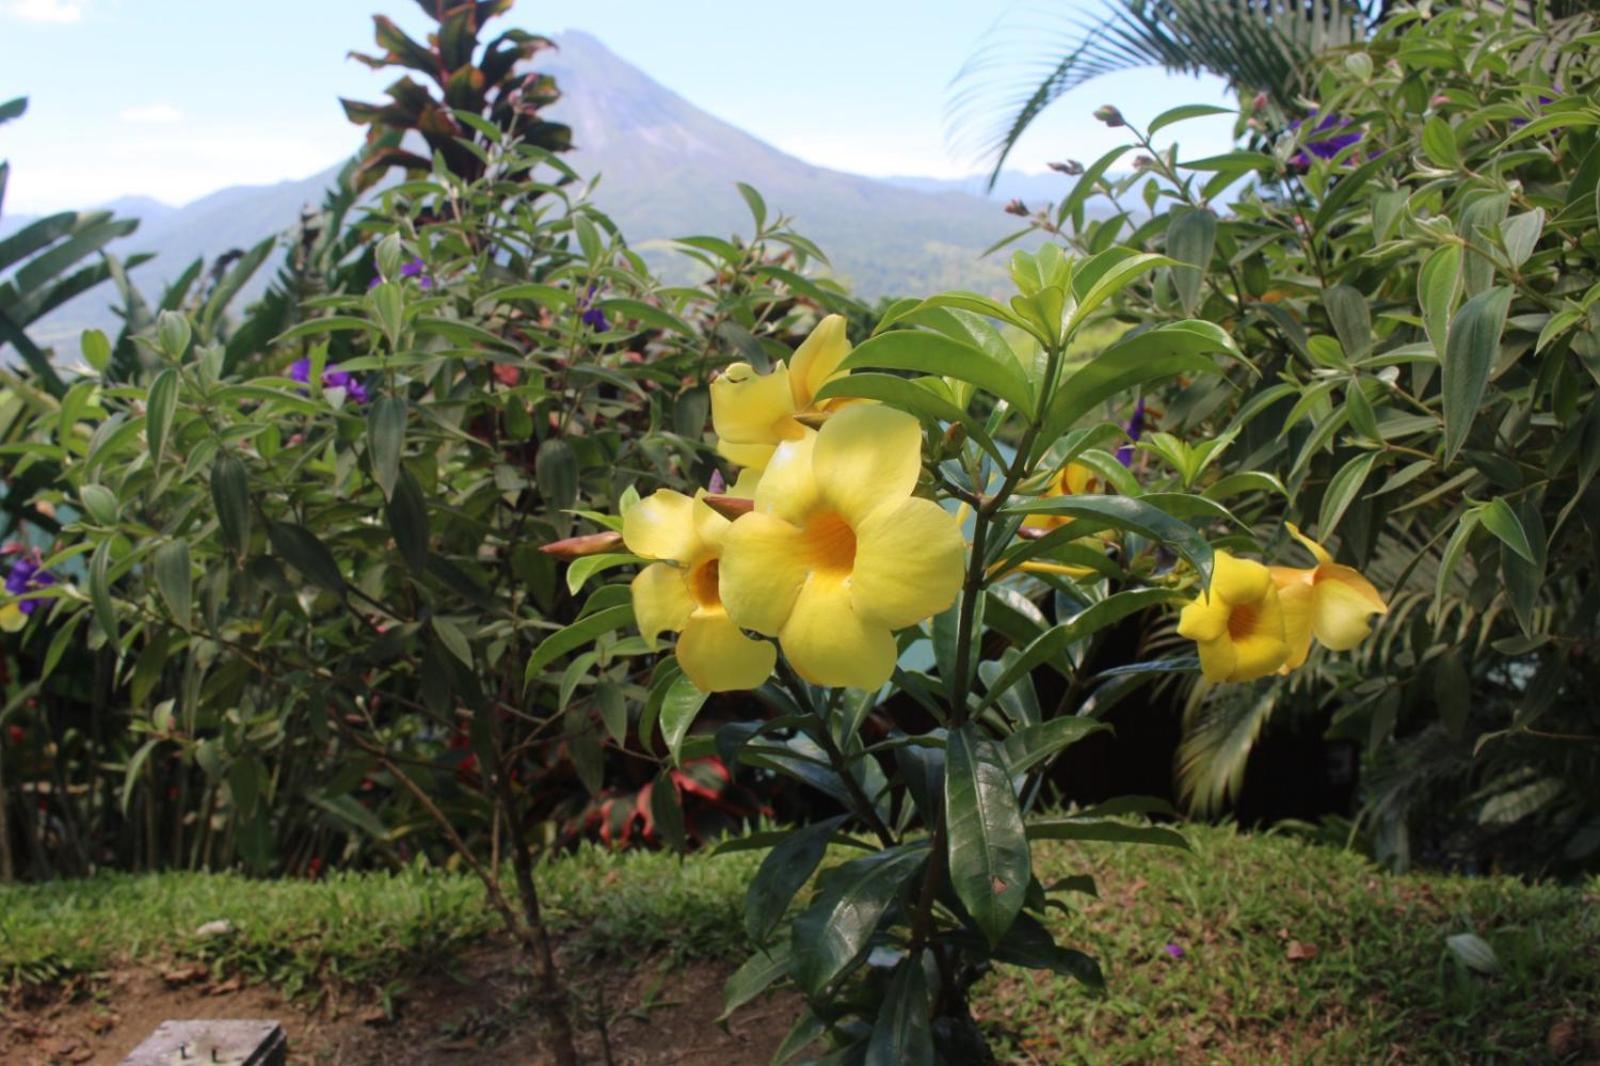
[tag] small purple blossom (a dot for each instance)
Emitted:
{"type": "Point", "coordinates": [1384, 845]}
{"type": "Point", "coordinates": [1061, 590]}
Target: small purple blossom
{"type": "Point", "coordinates": [26, 576]}
{"type": "Point", "coordinates": [332, 378]}
{"type": "Point", "coordinates": [591, 315]}
{"type": "Point", "coordinates": [416, 268]}
{"type": "Point", "coordinates": [1175, 950]}
{"type": "Point", "coordinates": [1325, 147]}
{"type": "Point", "coordinates": [1542, 101]}
{"type": "Point", "coordinates": [1134, 429]}
{"type": "Point", "coordinates": [718, 484]}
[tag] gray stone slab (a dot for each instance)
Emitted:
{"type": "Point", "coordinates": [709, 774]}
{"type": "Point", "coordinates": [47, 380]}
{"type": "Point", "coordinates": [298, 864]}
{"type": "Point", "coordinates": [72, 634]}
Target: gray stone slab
{"type": "Point", "coordinates": [218, 1042]}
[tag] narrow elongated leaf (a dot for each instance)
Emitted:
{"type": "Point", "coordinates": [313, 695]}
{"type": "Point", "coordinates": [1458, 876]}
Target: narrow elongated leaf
{"type": "Point", "coordinates": [1438, 287]}
{"type": "Point", "coordinates": [1191, 237]}
{"type": "Point", "coordinates": [160, 407]}
{"type": "Point", "coordinates": [784, 871]}
{"type": "Point", "coordinates": [912, 398]}
{"type": "Point", "coordinates": [575, 636]}
{"type": "Point", "coordinates": [386, 436]}
{"type": "Point", "coordinates": [407, 512]}
{"type": "Point", "coordinates": [173, 579]}
{"type": "Point", "coordinates": [1183, 113]}
{"type": "Point", "coordinates": [1055, 641]}
{"type": "Point", "coordinates": [230, 493]}
{"type": "Point", "coordinates": [834, 932]}
{"type": "Point", "coordinates": [678, 710]}
{"type": "Point", "coordinates": [1343, 489]}
{"type": "Point", "coordinates": [105, 613]}
{"type": "Point", "coordinates": [754, 977]}
{"type": "Point", "coordinates": [1110, 832]}
{"type": "Point", "coordinates": [130, 776]}
{"type": "Point", "coordinates": [1034, 744]}
{"type": "Point", "coordinates": [666, 809]}
{"type": "Point", "coordinates": [1470, 354]}
{"type": "Point", "coordinates": [902, 1034]}
{"type": "Point", "coordinates": [301, 549]}
{"type": "Point", "coordinates": [1498, 518]}
{"type": "Point", "coordinates": [990, 865]}
{"type": "Point", "coordinates": [1135, 516]}
{"type": "Point", "coordinates": [932, 353]}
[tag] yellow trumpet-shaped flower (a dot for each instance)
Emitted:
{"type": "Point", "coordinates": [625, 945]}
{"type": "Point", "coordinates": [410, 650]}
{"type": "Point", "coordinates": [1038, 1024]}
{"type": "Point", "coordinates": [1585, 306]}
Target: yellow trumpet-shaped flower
{"type": "Point", "coordinates": [1074, 479]}
{"type": "Point", "coordinates": [753, 413]}
{"type": "Point", "coordinates": [686, 598]}
{"type": "Point", "coordinates": [838, 554]}
{"type": "Point", "coordinates": [1330, 601]}
{"type": "Point", "coordinates": [1238, 624]}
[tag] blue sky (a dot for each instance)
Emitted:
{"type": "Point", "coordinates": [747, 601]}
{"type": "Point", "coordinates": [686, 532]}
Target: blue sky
{"type": "Point", "coordinates": [177, 98]}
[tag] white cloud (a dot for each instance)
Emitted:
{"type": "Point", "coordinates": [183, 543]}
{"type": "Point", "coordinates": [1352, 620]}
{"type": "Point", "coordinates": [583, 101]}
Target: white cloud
{"type": "Point", "coordinates": [44, 10]}
{"type": "Point", "coordinates": [155, 114]}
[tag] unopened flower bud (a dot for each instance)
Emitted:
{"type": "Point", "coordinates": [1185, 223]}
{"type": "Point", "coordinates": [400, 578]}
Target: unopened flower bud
{"type": "Point", "coordinates": [578, 547]}
{"type": "Point", "coordinates": [1071, 168]}
{"type": "Point", "coordinates": [1109, 115]}
{"type": "Point", "coordinates": [954, 437]}
{"type": "Point", "coordinates": [1439, 100]}
{"type": "Point", "coordinates": [1259, 103]}
{"type": "Point", "coordinates": [1141, 162]}
{"type": "Point", "coordinates": [1018, 208]}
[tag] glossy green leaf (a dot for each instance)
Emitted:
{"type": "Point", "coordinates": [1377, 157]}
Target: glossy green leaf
{"type": "Point", "coordinates": [407, 514]}
{"type": "Point", "coordinates": [230, 494]}
{"type": "Point", "coordinates": [679, 708]}
{"type": "Point", "coordinates": [301, 549]}
{"type": "Point", "coordinates": [990, 865]}
{"type": "Point", "coordinates": [160, 408]}
{"type": "Point", "coordinates": [932, 353]}
{"type": "Point", "coordinates": [1470, 354]}
{"type": "Point", "coordinates": [174, 579]}
{"type": "Point", "coordinates": [1499, 518]}
{"type": "Point", "coordinates": [1135, 516]}
{"type": "Point", "coordinates": [909, 396]}
{"type": "Point", "coordinates": [754, 977]}
{"type": "Point", "coordinates": [575, 636]}
{"type": "Point", "coordinates": [833, 934]}
{"type": "Point", "coordinates": [1191, 238]}
{"type": "Point", "coordinates": [1438, 288]}
{"type": "Point", "coordinates": [784, 871]}
{"type": "Point", "coordinates": [1106, 831]}
{"type": "Point", "coordinates": [1342, 490]}
{"type": "Point", "coordinates": [386, 436]}
{"type": "Point", "coordinates": [902, 1034]}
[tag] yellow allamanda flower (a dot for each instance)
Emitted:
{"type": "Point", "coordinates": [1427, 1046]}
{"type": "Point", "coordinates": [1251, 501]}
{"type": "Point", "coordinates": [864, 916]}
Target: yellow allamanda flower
{"type": "Point", "coordinates": [1238, 624]}
{"type": "Point", "coordinates": [838, 554]}
{"type": "Point", "coordinates": [686, 598]}
{"type": "Point", "coordinates": [753, 413]}
{"type": "Point", "coordinates": [1330, 601]}
{"type": "Point", "coordinates": [1074, 479]}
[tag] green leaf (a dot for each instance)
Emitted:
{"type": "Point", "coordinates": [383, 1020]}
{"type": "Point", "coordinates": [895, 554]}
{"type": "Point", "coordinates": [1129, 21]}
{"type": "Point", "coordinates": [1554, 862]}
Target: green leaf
{"type": "Point", "coordinates": [230, 493]}
{"type": "Point", "coordinates": [833, 934]}
{"type": "Point", "coordinates": [1135, 516]}
{"type": "Point", "coordinates": [407, 513]}
{"type": "Point", "coordinates": [613, 710]}
{"type": "Point", "coordinates": [582, 569]}
{"type": "Point", "coordinates": [666, 809]}
{"type": "Point", "coordinates": [621, 307]}
{"type": "Point", "coordinates": [1034, 744]}
{"type": "Point", "coordinates": [105, 613]}
{"type": "Point", "coordinates": [1498, 518]}
{"type": "Point", "coordinates": [784, 871]}
{"type": "Point", "coordinates": [754, 977]}
{"type": "Point", "coordinates": [911, 397]}
{"type": "Point", "coordinates": [555, 467]}
{"type": "Point", "coordinates": [130, 776]}
{"type": "Point", "coordinates": [1439, 144]}
{"type": "Point", "coordinates": [1342, 490]}
{"type": "Point", "coordinates": [1474, 952]}
{"type": "Point", "coordinates": [301, 549]}
{"type": "Point", "coordinates": [162, 404]}
{"type": "Point", "coordinates": [1109, 832]}
{"type": "Point", "coordinates": [99, 503]}
{"type": "Point", "coordinates": [96, 349]}
{"type": "Point", "coordinates": [1183, 113]}
{"type": "Point", "coordinates": [1054, 642]}
{"type": "Point", "coordinates": [1104, 275]}
{"type": "Point", "coordinates": [902, 1034]}
{"type": "Point", "coordinates": [1351, 318]}
{"type": "Point", "coordinates": [386, 438]}
{"type": "Point", "coordinates": [1520, 233]}
{"type": "Point", "coordinates": [1153, 355]}
{"type": "Point", "coordinates": [990, 866]}
{"type": "Point", "coordinates": [453, 639]}
{"type": "Point", "coordinates": [932, 353]}
{"type": "Point", "coordinates": [575, 636]}
{"type": "Point", "coordinates": [678, 710]}
{"type": "Point", "coordinates": [1470, 354]}
{"type": "Point", "coordinates": [1453, 550]}
{"type": "Point", "coordinates": [1191, 238]}
{"type": "Point", "coordinates": [1438, 288]}
{"type": "Point", "coordinates": [752, 198]}
{"type": "Point", "coordinates": [174, 580]}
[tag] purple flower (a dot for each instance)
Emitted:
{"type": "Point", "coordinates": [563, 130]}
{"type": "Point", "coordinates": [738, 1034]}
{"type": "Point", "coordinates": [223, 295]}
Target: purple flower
{"type": "Point", "coordinates": [718, 484]}
{"type": "Point", "coordinates": [27, 575]}
{"type": "Point", "coordinates": [1135, 430]}
{"type": "Point", "coordinates": [332, 378]}
{"type": "Point", "coordinates": [1325, 147]}
{"type": "Point", "coordinates": [416, 268]}
{"type": "Point", "coordinates": [592, 316]}
{"type": "Point", "coordinates": [1175, 950]}
{"type": "Point", "coordinates": [1542, 101]}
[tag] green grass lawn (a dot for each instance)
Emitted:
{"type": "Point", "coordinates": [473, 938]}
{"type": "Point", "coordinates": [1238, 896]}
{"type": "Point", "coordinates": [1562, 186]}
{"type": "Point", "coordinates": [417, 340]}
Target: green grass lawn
{"type": "Point", "coordinates": [1284, 951]}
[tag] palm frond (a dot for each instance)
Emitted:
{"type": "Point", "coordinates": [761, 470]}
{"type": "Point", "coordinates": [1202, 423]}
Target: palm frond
{"type": "Point", "coordinates": [1221, 724]}
{"type": "Point", "coordinates": [1020, 70]}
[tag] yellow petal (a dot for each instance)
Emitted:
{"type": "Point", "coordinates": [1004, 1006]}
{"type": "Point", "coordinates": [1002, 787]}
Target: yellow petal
{"type": "Point", "coordinates": [1077, 479]}
{"type": "Point", "coordinates": [1310, 545]}
{"type": "Point", "coordinates": [709, 526]}
{"type": "Point", "coordinates": [788, 486]}
{"type": "Point", "coordinates": [11, 618]}
{"type": "Point", "coordinates": [1204, 620]}
{"type": "Point", "coordinates": [744, 486]}
{"type": "Point", "coordinates": [1294, 596]}
{"type": "Point", "coordinates": [661, 601]}
{"type": "Point", "coordinates": [1239, 580]}
{"type": "Point", "coordinates": [1351, 577]}
{"type": "Point", "coordinates": [815, 361]}
{"type": "Point", "coordinates": [1339, 614]}
{"type": "Point", "coordinates": [662, 526]}
{"type": "Point", "coordinates": [827, 643]}
{"type": "Point", "coordinates": [750, 456]}
{"type": "Point", "coordinates": [1217, 659]}
{"type": "Point", "coordinates": [762, 569]}
{"type": "Point", "coordinates": [717, 657]}
{"type": "Point", "coordinates": [867, 456]}
{"type": "Point", "coordinates": [1257, 656]}
{"type": "Point", "coordinates": [751, 408]}
{"type": "Point", "coordinates": [909, 561]}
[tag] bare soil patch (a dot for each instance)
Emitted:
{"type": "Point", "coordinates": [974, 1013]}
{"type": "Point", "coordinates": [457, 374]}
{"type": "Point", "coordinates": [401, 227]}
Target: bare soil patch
{"type": "Point", "coordinates": [658, 1015]}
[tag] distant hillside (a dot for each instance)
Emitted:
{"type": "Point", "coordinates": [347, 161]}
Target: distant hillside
{"type": "Point", "coordinates": [668, 170]}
